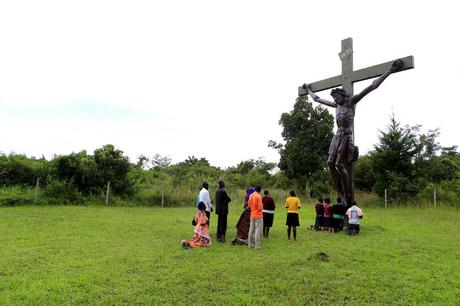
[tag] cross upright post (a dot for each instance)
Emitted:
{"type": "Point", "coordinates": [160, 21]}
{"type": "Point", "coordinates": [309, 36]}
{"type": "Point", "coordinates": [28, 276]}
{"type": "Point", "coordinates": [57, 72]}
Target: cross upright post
{"type": "Point", "coordinates": [343, 152]}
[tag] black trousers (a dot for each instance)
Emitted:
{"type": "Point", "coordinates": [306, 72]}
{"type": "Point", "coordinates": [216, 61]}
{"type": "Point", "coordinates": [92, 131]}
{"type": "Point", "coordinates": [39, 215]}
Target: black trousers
{"type": "Point", "coordinates": [221, 226]}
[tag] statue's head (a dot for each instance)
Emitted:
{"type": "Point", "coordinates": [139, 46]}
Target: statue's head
{"type": "Point", "coordinates": [339, 94]}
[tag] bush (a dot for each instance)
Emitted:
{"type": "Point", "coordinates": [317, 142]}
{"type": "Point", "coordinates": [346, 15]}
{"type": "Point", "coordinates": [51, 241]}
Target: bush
{"type": "Point", "coordinates": [447, 192]}
{"type": "Point", "coordinates": [151, 196]}
{"type": "Point", "coordinates": [15, 196]}
{"type": "Point", "coordinates": [19, 170]}
{"type": "Point", "coordinates": [58, 192]}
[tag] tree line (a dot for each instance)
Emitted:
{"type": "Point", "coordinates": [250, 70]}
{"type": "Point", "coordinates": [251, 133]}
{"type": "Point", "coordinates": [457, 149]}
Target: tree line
{"type": "Point", "coordinates": [405, 162]}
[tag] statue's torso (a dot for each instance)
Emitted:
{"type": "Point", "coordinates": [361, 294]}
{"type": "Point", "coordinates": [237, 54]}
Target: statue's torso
{"type": "Point", "coordinates": [344, 115]}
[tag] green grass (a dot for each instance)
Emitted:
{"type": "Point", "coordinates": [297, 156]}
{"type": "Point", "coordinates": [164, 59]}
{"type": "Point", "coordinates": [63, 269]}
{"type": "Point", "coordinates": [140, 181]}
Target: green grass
{"type": "Point", "coordinates": [104, 255]}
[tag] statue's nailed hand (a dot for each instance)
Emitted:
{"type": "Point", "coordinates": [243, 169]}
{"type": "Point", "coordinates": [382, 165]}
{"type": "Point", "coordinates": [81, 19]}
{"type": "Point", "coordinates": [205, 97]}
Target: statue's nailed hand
{"type": "Point", "coordinates": [397, 65]}
{"type": "Point", "coordinates": [306, 86]}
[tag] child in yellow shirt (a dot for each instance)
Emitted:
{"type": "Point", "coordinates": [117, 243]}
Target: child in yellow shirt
{"type": "Point", "coordinates": [292, 221]}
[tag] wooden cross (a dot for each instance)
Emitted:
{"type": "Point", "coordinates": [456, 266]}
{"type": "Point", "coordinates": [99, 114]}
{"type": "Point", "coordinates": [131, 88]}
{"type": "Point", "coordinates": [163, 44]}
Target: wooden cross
{"type": "Point", "coordinates": [349, 77]}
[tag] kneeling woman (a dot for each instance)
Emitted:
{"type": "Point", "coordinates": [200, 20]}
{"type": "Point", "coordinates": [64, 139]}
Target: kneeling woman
{"type": "Point", "coordinates": [201, 237]}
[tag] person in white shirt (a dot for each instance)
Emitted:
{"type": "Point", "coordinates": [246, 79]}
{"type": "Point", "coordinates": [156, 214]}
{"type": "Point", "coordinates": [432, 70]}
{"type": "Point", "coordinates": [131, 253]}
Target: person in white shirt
{"type": "Point", "coordinates": [354, 214]}
{"type": "Point", "coordinates": [206, 199]}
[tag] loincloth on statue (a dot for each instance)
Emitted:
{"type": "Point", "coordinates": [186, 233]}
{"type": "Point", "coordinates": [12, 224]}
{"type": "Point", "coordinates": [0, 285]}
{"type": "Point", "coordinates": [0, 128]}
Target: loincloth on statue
{"type": "Point", "coordinates": [342, 147]}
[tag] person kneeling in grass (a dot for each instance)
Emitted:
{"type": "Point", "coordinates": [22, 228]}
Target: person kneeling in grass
{"type": "Point", "coordinates": [292, 220]}
{"type": "Point", "coordinates": [338, 215]}
{"type": "Point", "coordinates": [201, 237]}
{"type": "Point", "coordinates": [328, 215]}
{"type": "Point", "coordinates": [354, 214]}
{"type": "Point", "coordinates": [319, 209]}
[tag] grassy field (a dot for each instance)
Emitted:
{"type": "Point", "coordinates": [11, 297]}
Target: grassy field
{"type": "Point", "coordinates": [103, 255]}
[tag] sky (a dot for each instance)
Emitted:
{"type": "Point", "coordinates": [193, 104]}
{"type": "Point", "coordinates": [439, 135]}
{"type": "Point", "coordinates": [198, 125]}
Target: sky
{"type": "Point", "coordinates": [212, 78]}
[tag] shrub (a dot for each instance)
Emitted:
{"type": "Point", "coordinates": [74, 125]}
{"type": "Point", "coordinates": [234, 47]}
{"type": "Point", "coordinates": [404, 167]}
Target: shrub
{"type": "Point", "coordinates": [61, 192]}
{"type": "Point", "coordinates": [15, 196]}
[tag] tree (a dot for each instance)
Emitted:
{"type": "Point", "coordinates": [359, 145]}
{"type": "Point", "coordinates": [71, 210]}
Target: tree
{"type": "Point", "coordinates": [364, 177]}
{"type": "Point", "coordinates": [393, 159]}
{"type": "Point", "coordinates": [251, 172]}
{"type": "Point", "coordinates": [192, 172]}
{"type": "Point", "coordinates": [160, 162]}
{"type": "Point", "coordinates": [142, 161]}
{"type": "Point", "coordinates": [114, 167]}
{"type": "Point", "coordinates": [307, 132]}
{"type": "Point", "coordinates": [78, 168]}
{"type": "Point", "coordinates": [18, 169]}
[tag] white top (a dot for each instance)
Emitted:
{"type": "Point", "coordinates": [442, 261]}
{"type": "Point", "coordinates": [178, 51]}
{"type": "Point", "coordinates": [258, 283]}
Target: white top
{"type": "Point", "coordinates": [353, 214]}
{"type": "Point", "coordinates": [205, 198]}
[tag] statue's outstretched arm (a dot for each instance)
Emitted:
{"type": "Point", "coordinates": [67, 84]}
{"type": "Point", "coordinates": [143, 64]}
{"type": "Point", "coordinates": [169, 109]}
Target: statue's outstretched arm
{"type": "Point", "coordinates": [397, 64]}
{"type": "Point", "coordinates": [318, 99]}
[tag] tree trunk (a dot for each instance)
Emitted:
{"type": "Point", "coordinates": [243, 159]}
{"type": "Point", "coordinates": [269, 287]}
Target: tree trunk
{"type": "Point", "coordinates": [307, 187]}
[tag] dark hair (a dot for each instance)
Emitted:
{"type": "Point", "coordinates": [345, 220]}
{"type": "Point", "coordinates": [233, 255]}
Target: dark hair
{"type": "Point", "coordinates": [327, 200]}
{"type": "Point", "coordinates": [258, 188]}
{"type": "Point", "coordinates": [201, 206]}
{"type": "Point", "coordinates": [205, 185]}
{"type": "Point", "coordinates": [339, 91]}
{"type": "Point", "coordinates": [221, 184]}
{"type": "Point", "coordinates": [339, 200]}
{"type": "Point", "coordinates": [353, 202]}
{"type": "Point", "coordinates": [292, 193]}
{"type": "Point", "coordinates": [266, 192]}
{"type": "Point", "coordinates": [320, 200]}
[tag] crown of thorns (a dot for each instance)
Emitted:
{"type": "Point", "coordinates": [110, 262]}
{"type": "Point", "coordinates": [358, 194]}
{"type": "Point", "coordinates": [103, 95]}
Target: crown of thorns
{"type": "Point", "coordinates": [339, 91]}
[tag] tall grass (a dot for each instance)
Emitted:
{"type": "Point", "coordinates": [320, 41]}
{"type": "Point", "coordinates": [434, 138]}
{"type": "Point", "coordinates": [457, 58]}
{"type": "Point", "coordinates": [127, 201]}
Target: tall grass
{"type": "Point", "coordinates": [15, 196]}
{"type": "Point", "coordinates": [60, 193]}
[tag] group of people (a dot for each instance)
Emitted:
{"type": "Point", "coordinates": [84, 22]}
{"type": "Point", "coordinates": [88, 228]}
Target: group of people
{"type": "Point", "coordinates": [333, 218]}
{"type": "Point", "coordinates": [258, 214]}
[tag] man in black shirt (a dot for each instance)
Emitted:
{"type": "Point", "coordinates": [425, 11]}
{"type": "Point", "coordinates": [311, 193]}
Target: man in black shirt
{"type": "Point", "coordinates": [222, 200]}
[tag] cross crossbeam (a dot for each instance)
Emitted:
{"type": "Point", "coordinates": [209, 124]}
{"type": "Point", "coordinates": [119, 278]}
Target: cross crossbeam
{"type": "Point", "coordinates": [358, 75]}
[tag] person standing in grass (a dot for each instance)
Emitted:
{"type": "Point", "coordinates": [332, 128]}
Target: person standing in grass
{"type": "Point", "coordinates": [249, 191]}
{"type": "Point", "coordinates": [201, 236]}
{"type": "Point", "coordinates": [319, 208]}
{"type": "Point", "coordinates": [354, 214]}
{"type": "Point", "coordinates": [255, 227]}
{"type": "Point", "coordinates": [268, 212]}
{"type": "Point", "coordinates": [222, 200]}
{"type": "Point", "coordinates": [206, 199]}
{"type": "Point", "coordinates": [328, 215]}
{"type": "Point", "coordinates": [292, 220]}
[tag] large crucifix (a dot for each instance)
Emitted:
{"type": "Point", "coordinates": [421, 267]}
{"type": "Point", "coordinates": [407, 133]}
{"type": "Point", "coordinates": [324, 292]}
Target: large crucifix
{"type": "Point", "coordinates": [343, 152]}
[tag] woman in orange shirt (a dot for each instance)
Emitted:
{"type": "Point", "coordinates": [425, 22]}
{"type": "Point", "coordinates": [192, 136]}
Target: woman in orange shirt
{"type": "Point", "coordinates": [201, 236]}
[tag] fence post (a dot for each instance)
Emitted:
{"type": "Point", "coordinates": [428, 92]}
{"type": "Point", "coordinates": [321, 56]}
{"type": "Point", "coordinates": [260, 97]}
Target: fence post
{"type": "Point", "coordinates": [386, 201]}
{"type": "Point", "coordinates": [162, 197]}
{"type": "Point", "coordinates": [107, 194]}
{"type": "Point", "coordinates": [434, 197]}
{"type": "Point", "coordinates": [36, 190]}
